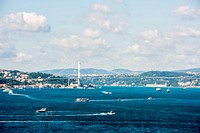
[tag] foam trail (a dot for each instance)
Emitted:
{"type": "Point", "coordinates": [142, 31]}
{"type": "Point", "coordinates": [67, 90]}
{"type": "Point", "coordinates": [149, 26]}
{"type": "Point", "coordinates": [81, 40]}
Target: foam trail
{"type": "Point", "coordinates": [135, 99]}
{"type": "Point", "coordinates": [24, 95]}
{"type": "Point", "coordinates": [46, 114]}
{"type": "Point", "coordinates": [95, 114]}
{"type": "Point", "coordinates": [110, 100]}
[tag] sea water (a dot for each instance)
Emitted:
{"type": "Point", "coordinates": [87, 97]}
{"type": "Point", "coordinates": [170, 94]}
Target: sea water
{"type": "Point", "coordinates": [175, 111]}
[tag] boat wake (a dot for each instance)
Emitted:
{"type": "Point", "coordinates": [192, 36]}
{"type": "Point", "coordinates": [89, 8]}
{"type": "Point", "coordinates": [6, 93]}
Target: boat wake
{"type": "Point", "coordinates": [112, 100]}
{"type": "Point", "coordinates": [49, 114]}
{"type": "Point", "coordinates": [10, 92]}
{"type": "Point", "coordinates": [134, 99]}
{"type": "Point", "coordinates": [24, 95]}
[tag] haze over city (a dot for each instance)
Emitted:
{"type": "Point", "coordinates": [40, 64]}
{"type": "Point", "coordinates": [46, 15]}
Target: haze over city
{"type": "Point", "coordinates": [136, 35]}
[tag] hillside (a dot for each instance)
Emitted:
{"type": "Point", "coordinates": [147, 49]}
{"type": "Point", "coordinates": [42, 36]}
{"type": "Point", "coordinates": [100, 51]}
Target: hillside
{"type": "Point", "coordinates": [164, 74]}
{"type": "Point", "coordinates": [189, 70]}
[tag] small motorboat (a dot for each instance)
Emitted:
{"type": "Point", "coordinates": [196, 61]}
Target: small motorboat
{"type": "Point", "coordinates": [106, 92]}
{"type": "Point", "coordinates": [108, 113]}
{"type": "Point", "coordinates": [168, 90]}
{"type": "Point", "coordinates": [42, 110]}
{"type": "Point", "coordinates": [111, 113]}
{"type": "Point", "coordinates": [149, 98]}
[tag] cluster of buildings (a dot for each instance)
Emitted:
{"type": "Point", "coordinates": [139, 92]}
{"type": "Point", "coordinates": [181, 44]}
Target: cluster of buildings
{"type": "Point", "coordinates": [17, 79]}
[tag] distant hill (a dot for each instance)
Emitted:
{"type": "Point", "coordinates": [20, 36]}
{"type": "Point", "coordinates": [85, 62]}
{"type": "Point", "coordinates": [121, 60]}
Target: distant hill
{"type": "Point", "coordinates": [121, 71]}
{"type": "Point", "coordinates": [189, 70]}
{"type": "Point", "coordinates": [89, 71]}
{"type": "Point", "coordinates": [164, 74]}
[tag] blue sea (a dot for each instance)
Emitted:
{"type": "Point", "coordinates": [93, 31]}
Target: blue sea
{"type": "Point", "coordinates": [175, 112]}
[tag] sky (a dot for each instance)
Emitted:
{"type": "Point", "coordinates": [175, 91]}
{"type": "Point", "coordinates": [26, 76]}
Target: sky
{"type": "Point", "coordinates": [139, 35]}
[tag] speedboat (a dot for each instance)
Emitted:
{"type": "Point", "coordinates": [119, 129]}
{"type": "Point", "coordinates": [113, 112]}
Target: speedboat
{"type": "Point", "coordinates": [108, 113]}
{"type": "Point", "coordinates": [158, 89]}
{"type": "Point", "coordinates": [42, 110]}
{"type": "Point", "coordinates": [111, 113]}
{"type": "Point", "coordinates": [82, 100]}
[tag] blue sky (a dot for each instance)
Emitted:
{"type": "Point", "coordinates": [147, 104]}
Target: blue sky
{"type": "Point", "coordinates": [107, 34]}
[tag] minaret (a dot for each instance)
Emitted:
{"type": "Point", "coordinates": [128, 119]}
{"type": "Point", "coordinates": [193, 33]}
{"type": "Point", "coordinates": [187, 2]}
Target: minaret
{"type": "Point", "coordinates": [79, 73]}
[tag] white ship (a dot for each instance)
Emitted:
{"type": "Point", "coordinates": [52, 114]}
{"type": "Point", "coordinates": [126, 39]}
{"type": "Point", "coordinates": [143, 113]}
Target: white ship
{"type": "Point", "coordinates": [106, 92]}
{"type": "Point", "coordinates": [158, 89]}
{"type": "Point", "coordinates": [108, 113]}
{"type": "Point", "coordinates": [42, 110]}
{"type": "Point", "coordinates": [82, 100]}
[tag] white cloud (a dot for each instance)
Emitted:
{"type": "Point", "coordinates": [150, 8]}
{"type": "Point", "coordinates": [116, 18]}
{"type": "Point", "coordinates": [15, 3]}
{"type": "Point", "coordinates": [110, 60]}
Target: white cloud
{"type": "Point", "coordinates": [184, 50]}
{"type": "Point", "coordinates": [75, 42]}
{"type": "Point", "coordinates": [101, 7]}
{"type": "Point", "coordinates": [100, 21]}
{"type": "Point", "coordinates": [155, 39]}
{"type": "Point", "coordinates": [186, 11]}
{"type": "Point", "coordinates": [22, 57]}
{"type": "Point", "coordinates": [187, 32]}
{"type": "Point", "coordinates": [119, 1]}
{"type": "Point", "coordinates": [23, 21]}
{"type": "Point", "coordinates": [136, 48]}
{"type": "Point", "coordinates": [6, 51]}
{"type": "Point", "coordinates": [171, 49]}
{"type": "Point", "coordinates": [150, 35]}
{"type": "Point", "coordinates": [119, 28]}
{"type": "Point", "coordinates": [106, 20]}
{"type": "Point", "coordinates": [91, 33]}
{"type": "Point", "coordinates": [78, 48]}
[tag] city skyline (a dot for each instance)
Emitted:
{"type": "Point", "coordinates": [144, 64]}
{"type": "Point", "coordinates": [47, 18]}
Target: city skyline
{"type": "Point", "coordinates": [136, 35]}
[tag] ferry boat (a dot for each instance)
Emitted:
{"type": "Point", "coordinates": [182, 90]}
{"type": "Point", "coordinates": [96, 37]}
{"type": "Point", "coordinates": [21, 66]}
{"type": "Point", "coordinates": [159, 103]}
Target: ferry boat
{"type": "Point", "coordinates": [82, 100]}
{"type": "Point", "coordinates": [158, 89]}
{"type": "Point", "coordinates": [42, 110]}
{"type": "Point", "coordinates": [106, 92]}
